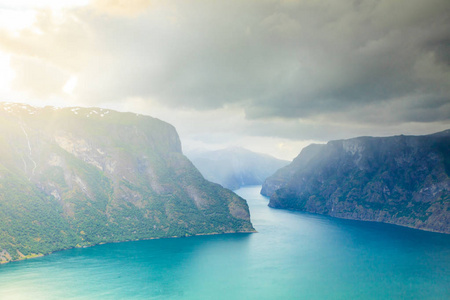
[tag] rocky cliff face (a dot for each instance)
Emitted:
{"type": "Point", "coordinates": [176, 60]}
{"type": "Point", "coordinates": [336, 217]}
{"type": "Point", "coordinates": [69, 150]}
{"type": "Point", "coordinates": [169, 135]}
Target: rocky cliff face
{"type": "Point", "coordinates": [402, 180]}
{"type": "Point", "coordinates": [77, 177]}
{"type": "Point", "coordinates": [235, 167]}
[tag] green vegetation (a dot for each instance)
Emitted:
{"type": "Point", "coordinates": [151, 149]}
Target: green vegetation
{"type": "Point", "coordinates": [69, 180]}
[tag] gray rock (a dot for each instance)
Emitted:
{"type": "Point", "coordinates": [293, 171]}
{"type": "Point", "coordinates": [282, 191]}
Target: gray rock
{"type": "Point", "coordinates": [401, 180]}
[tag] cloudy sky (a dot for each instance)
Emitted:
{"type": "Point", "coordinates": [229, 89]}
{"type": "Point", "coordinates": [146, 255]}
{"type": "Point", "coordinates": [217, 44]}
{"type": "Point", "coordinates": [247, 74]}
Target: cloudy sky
{"type": "Point", "coordinates": [269, 75]}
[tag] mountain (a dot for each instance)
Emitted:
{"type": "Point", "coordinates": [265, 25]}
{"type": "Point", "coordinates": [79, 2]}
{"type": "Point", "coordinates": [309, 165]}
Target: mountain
{"type": "Point", "coordinates": [76, 177]}
{"type": "Point", "coordinates": [401, 180]}
{"type": "Point", "coordinates": [235, 167]}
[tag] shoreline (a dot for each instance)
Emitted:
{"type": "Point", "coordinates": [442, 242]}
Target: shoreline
{"type": "Point", "coordinates": [31, 256]}
{"type": "Point", "coordinates": [362, 220]}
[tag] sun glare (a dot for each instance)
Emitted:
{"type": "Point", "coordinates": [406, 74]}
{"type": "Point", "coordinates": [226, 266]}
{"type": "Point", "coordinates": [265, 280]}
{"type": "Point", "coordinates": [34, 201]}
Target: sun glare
{"type": "Point", "coordinates": [53, 4]}
{"type": "Point", "coordinates": [70, 85]}
{"type": "Point", "coordinates": [6, 73]}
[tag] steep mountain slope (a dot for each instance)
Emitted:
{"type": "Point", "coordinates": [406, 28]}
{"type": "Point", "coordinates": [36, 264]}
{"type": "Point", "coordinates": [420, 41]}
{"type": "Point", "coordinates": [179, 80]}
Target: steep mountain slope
{"type": "Point", "coordinates": [402, 180]}
{"type": "Point", "coordinates": [235, 167]}
{"type": "Point", "coordinates": [79, 177]}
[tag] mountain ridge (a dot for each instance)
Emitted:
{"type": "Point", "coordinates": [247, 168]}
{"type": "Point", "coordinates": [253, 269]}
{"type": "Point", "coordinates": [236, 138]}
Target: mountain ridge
{"type": "Point", "coordinates": [77, 177]}
{"type": "Point", "coordinates": [235, 167]}
{"type": "Point", "coordinates": [403, 180]}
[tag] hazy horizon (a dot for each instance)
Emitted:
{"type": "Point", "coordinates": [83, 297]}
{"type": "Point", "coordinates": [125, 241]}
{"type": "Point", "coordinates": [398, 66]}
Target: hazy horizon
{"type": "Point", "coordinates": [271, 76]}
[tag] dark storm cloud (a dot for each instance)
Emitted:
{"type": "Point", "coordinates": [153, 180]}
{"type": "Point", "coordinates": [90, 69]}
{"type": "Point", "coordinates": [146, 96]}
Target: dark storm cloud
{"type": "Point", "coordinates": [291, 59]}
{"type": "Point", "coordinates": [341, 61]}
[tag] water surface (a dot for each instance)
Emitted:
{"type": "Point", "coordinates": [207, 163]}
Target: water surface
{"type": "Point", "coordinates": [294, 255]}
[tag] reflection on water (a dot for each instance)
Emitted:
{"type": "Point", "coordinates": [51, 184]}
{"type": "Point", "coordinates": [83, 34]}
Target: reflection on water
{"type": "Point", "coordinates": [293, 256]}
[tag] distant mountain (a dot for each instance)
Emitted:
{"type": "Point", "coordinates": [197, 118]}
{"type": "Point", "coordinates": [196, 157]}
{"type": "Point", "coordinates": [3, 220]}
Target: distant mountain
{"type": "Point", "coordinates": [76, 177]}
{"type": "Point", "coordinates": [235, 167]}
{"type": "Point", "coordinates": [402, 180]}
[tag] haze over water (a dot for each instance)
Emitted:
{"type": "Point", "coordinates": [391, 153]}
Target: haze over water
{"type": "Point", "coordinates": [294, 255]}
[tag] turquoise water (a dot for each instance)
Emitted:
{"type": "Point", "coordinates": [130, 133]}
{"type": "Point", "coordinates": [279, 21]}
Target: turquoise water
{"type": "Point", "coordinates": [293, 256]}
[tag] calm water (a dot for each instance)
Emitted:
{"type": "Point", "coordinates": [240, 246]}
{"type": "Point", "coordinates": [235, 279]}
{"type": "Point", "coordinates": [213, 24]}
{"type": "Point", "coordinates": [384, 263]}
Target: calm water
{"type": "Point", "coordinates": [294, 256]}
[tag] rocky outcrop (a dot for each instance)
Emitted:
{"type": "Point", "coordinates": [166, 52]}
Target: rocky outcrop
{"type": "Point", "coordinates": [401, 180]}
{"type": "Point", "coordinates": [76, 177]}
